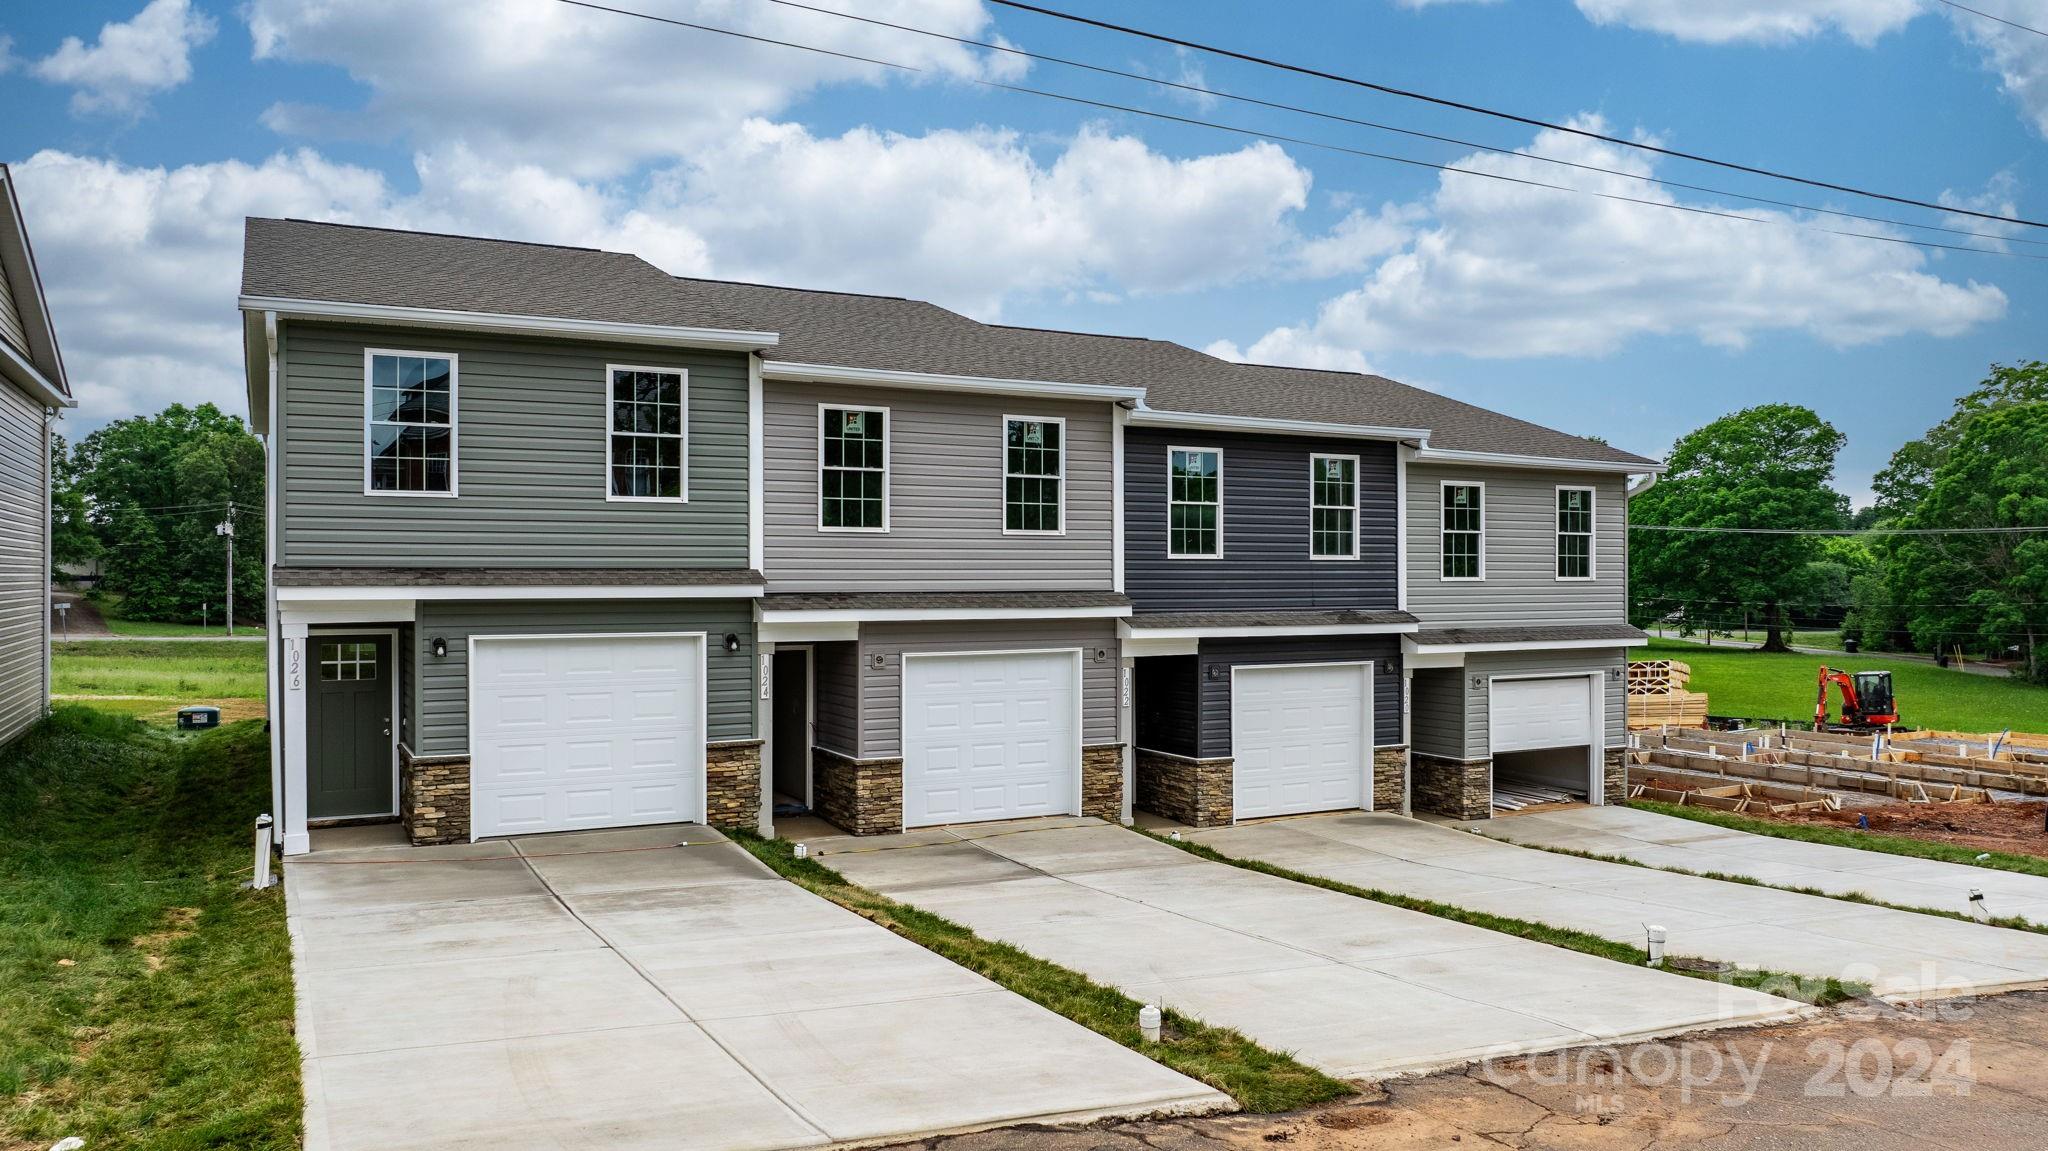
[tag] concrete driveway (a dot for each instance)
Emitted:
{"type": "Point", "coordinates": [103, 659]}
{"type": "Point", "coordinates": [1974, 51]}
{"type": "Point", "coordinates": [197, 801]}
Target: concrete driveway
{"type": "Point", "coordinates": [1355, 987]}
{"type": "Point", "coordinates": [655, 987]}
{"type": "Point", "coordinates": [1902, 955]}
{"type": "Point", "coordinates": [1668, 841]}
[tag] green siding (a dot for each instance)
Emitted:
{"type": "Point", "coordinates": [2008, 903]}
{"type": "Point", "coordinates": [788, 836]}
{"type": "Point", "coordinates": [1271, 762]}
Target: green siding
{"type": "Point", "coordinates": [443, 691]}
{"type": "Point", "coordinates": [531, 421]}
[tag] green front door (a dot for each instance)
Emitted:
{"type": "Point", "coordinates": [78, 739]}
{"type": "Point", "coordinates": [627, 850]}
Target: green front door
{"type": "Point", "coordinates": [349, 727]}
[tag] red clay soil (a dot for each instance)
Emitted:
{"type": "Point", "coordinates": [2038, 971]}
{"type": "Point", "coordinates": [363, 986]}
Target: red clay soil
{"type": "Point", "coordinates": [2013, 826]}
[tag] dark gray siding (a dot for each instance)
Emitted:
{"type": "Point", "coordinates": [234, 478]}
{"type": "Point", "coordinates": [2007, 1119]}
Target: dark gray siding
{"type": "Point", "coordinates": [1436, 711]}
{"type": "Point", "coordinates": [24, 568]}
{"type": "Point", "coordinates": [531, 420]}
{"type": "Point", "coordinates": [1521, 585]}
{"type": "Point", "coordinates": [881, 721]}
{"type": "Point", "coordinates": [1265, 560]}
{"type": "Point", "coordinates": [1386, 684]}
{"type": "Point", "coordinates": [836, 688]}
{"type": "Point", "coordinates": [1478, 730]}
{"type": "Point", "coordinates": [945, 492]}
{"type": "Point", "coordinates": [444, 682]}
{"type": "Point", "coordinates": [408, 685]}
{"type": "Point", "coordinates": [1166, 705]}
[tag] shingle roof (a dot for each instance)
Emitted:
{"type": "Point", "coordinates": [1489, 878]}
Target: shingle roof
{"type": "Point", "coordinates": [929, 601]}
{"type": "Point", "coordinates": [513, 577]}
{"type": "Point", "coordinates": [1273, 619]}
{"type": "Point", "coordinates": [1620, 633]}
{"type": "Point", "coordinates": [297, 259]}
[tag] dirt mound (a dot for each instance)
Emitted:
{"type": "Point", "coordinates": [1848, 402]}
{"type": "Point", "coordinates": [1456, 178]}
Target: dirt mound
{"type": "Point", "coordinates": [2008, 826]}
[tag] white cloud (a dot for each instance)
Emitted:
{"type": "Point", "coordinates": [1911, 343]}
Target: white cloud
{"type": "Point", "coordinates": [1999, 197]}
{"type": "Point", "coordinates": [7, 59]}
{"type": "Point", "coordinates": [130, 62]}
{"type": "Point", "coordinates": [2019, 59]}
{"type": "Point", "coordinates": [1510, 270]}
{"type": "Point", "coordinates": [1293, 348]}
{"type": "Point", "coordinates": [592, 92]}
{"type": "Point", "coordinates": [1358, 241]}
{"type": "Point", "coordinates": [1724, 21]}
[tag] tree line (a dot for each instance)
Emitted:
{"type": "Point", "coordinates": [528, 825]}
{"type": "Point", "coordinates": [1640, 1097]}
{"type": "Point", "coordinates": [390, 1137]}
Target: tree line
{"type": "Point", "coordinates": [1942, 568]}
{"type": "Point", "coordinates": [144, 497]}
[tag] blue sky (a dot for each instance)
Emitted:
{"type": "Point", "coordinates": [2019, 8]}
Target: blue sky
{"type": "Point", "coordinates": [141, 145]}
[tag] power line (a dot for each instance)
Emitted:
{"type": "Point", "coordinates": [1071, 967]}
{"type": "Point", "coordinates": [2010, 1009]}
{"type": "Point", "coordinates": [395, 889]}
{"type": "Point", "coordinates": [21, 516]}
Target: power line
{"type": "Point", "coordinates": [1989, 16]}
{"type": "Point", "coordinates": [1839, 531]}
{"type": "Point", "coordinates": [1482, 110]}
{"type": "Point", "coordinates": [1375, 125]}
{"type": "Point", "coordinates": [1259, 134]}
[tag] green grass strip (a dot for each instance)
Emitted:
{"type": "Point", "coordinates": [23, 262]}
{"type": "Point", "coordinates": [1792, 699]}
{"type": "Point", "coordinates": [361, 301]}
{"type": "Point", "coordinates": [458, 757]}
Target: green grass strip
{"type": "Point", "coordinates": [1853, 837]}
{"type": "Point", "coordinates": [1819, 992]}
{"type": "Point", "coordinates": [1262, 1081]}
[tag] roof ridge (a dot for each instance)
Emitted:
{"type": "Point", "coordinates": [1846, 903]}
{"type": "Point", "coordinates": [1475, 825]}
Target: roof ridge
{"type": "Point", "coordinates": [1076, 332]}
{"type": "Point", "coordinates": [447, 236]}
{"type": "Point", "coordinates": [808, 291]}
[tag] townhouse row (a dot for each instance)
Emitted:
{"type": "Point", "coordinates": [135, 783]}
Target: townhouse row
{"type": "Point", "coordinates": [559, 541]}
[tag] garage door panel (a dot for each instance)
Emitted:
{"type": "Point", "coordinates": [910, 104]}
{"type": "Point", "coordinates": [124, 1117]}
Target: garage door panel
{"type": "Point", "coordinates": [1530, 714]}
{"type": "Point", "coordinates": [1298, 734]}
{"type": "Point", "coordinates": [989, 737]}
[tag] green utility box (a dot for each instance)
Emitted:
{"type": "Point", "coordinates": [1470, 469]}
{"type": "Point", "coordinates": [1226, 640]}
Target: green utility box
{"type": "Point", "coordinates": [198, 717]}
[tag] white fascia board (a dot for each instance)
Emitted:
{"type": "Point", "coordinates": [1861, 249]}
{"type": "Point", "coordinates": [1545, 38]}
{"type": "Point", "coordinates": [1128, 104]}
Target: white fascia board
{"type": "Point", "coordinates": [1501, 460]}
{"type": "Point", "coordinates": [316, 614]}
{"type": "Point", "coordinates": [1138, 647]}
{"type": "Point", "coordinates": [1150, 417]}
{"type": "Point", "coordinates": [16, 367]}
{"type": "Point", "coordinates": [807, 632]}
{"type": "Point", "coordinates": [304, 595]}
{"type": "Point", "coordinates": [717, 338]}
{"type": "Point", "coordinates": [1413, 648]}
{"type": "Point", "coordinates": [924, 615]}
{"type": "Point", "coordinates": [1275, 630]}
{"type": "Point", "coordinates": [989, 385]}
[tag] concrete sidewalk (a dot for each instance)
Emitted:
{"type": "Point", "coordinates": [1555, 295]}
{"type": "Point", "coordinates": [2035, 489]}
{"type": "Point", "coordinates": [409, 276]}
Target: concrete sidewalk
{"type": "Point", "coordinates": [654, 988]}
{"type": "Point", "coordinates": [1354, 987]}
{"type": "Point", "coordinates": [1900, 954]}
{"type": "Point", "coordinates": [1668, 841]}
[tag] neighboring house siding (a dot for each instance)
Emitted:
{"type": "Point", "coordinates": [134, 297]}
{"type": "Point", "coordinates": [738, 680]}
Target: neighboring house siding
{"type": "Point", "coordinates": [1436, 712]}
{"type": "Point", "coordinates": [1216, 700]}
{"type": "Point", "coordinates": [10, 318]}
{"type": "Point", "coordinates": [945, 495]}
{"type": "Point", "coordinates": [1521, 586]}
{"type": "Point", "coordinates": [24, 575]}
{"type": "Point", "coordinates": [1167, 705]}
{"type": "Point", "coordinates": [882, 687]}
{"type": "Point", "coordinates": [531, 421]}
{"type": "Point", "coordinates": [444, 682]}
{"type": "Point", "coordinates": [1265, 527]}
{"type": "Point", "coordinates": [835, 690]}
{"type": "Point", "coordinates": [1480, 665]}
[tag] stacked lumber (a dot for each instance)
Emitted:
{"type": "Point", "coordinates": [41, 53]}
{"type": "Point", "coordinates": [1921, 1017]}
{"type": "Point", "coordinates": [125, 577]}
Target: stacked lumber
{"type": "Point", "coordinates": [1835, 763]}
{"type": "Point", "coordinates": [1657, 695]}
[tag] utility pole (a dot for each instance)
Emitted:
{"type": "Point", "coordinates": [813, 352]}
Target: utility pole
{"type": "Point", "coordinates": [226, 529]}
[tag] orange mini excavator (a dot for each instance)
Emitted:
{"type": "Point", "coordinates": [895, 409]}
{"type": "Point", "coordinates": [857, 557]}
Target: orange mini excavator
{"type": "Point", "coordinates": [1867, 699]}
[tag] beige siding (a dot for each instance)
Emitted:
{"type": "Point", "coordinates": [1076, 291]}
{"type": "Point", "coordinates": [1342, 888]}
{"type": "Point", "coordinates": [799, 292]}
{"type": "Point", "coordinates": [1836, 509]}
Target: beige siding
{"type": "Point", "coordinates": [24, 573]}
{"type": "Point", "coordinates": [945, 490]}
{"type": "Point", "coordinates": [1521, 588]}
{"type": "Point", "coordinates": [882, 687]}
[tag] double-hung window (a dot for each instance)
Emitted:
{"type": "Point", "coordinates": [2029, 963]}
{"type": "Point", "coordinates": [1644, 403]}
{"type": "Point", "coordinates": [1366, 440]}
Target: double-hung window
{"type": "Point", "coordinates": [1464, 531]}
{"type": "Point", "coordinates": [1034, 472]}
{"type": "Point", "coordinates": [1194, 503]}
{"type": "Point", "coordinates": [646, 450]}
{"type": "Point", "coordinates": [1574, 533]}
{"type": "Point", "coordinates": [1333, 507]}
{"type": "Point", "coordinates": [409, 423]}
{"type": "Point", "coordinates": [853, 476]}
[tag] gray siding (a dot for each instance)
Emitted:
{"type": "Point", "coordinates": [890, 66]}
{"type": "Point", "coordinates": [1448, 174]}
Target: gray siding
{"type": "Point", "coordinates": [1265, 519]}
{"type": "Point", "coordinates": [10, 318]}
{"type": "Point", "coordinates": [836, 690]}
{"type": "Point", "coordinates": [24, 567]}
{"type": "Point", "coordinates": [531, 420]}
{"type": "Point", "coordinates": [881, 719]}
{"type": "Point", "coordinates": [1167, 704]}
{"type": "Point", "coordinates": [1436, 712]}
{"type": "Point", "coordinates": [444, 682]}
{"type": "Point", "coordinates": [408, 685]}
{"type": "Point", "coordinates": [945, 491]}
{"type": "Point", "coordinates": [1216, 704]}
{"type": "Point", "coordinates": [1478, 734]}
{"type": "Point", "coordinates": [1521, 584]}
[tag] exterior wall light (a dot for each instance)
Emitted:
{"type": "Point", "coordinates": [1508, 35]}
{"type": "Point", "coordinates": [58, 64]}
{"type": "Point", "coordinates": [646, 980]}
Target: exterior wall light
{"type": "Point", "coordinates": [439, 647]}
{"type": "Point", "coordinates": [732, 643]}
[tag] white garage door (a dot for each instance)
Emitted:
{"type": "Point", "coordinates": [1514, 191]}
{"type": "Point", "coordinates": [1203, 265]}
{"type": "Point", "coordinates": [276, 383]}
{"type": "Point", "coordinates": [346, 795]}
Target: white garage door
{"type": "Point", "coordinates": [1536, 713]}
{"type": "Point", "coordinates": [990, 737]}
{"type": "Point", "coordinates": [1301, 735]}
{"type": "Point", "coordinates": [577, 732]}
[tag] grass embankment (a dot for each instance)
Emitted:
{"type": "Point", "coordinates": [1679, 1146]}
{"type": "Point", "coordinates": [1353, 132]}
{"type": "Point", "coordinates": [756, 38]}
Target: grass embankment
{"type": "Point", "coordinates": [144, 629]}
{"type": "Point", "coordinates": [151, 680]}
{"type": "Point", "coordinates": [1851, 837]}
{"type": "Point", "coordinates": [145, 999]}
{"type": "Point", "coordinates": [1820, 992]}
{"type": "Point", "coordinates": [1260, 1080]}
{"type": "Point", "coordinates": [1780, 685]}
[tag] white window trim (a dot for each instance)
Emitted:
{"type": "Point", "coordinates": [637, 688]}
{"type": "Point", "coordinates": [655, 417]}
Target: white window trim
{"type": "Point", "coordinates": [1007, 477]}
{"type": "Point", "coordinates": [682, 437]}
{"type": "Point", "coordinates": [1441, 530]}
{"type": "Point", "coordinates": [454, 421]}
{"type": "Point", "coordinates": [1357, 503]}
{"type": "Point", "coordinates": [1592, 533]}
{"type": "Point", "coordinates": [1170, 553]}
{"type": "Point", "coordinates": [888, 460]}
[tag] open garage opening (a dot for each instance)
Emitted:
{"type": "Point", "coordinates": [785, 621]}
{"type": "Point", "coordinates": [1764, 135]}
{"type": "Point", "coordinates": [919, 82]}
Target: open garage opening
{"type": "Point", "coordinates": [1542, 776]}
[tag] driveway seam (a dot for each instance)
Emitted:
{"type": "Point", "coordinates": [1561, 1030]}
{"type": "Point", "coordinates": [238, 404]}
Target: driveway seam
{"type": "Point", "coordinates": [808, 1119]}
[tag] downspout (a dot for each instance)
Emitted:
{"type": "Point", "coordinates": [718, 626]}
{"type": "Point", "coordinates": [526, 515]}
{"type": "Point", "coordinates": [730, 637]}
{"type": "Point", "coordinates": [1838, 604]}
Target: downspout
{"type": "Point", "coordinates": [274, 640]}
{"type": "Point", "coordinates": [50, 418]}
{"type": "Point", "coordinates": [1628, 496]}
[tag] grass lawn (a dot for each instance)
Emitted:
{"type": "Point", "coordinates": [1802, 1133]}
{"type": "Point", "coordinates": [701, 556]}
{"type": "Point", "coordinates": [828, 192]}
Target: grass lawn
{"type": "Point", "coordinates": [146, 628]}
{"type": "Point", "coordinates": [1260, 1080]}
{"type": "Point", "coordinates": [1772, 685]}
{"type": "Point", "coordinates": [151, 680]}
{"type": "Point", "coordinates": [145, 999]}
